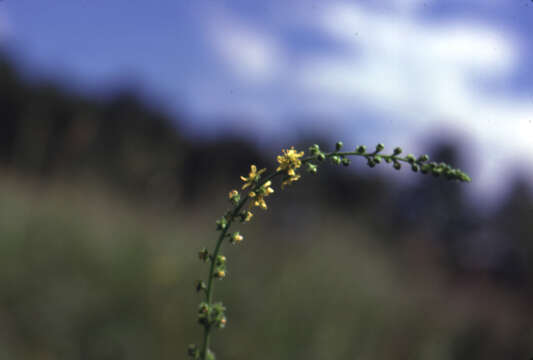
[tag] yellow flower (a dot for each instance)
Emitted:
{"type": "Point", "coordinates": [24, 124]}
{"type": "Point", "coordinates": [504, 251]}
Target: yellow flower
{"type": "Point", "coordinates": [253, 176]}
{"type": "Point", "coordinates": [237, 238]}
{"type": "Point", "coordinates": [289, 161]}
{"type": "Point", "coordinates": [290, 180]}
{"type": "Point", "coordinates": [259, 196]}
{"type": "Point", "coordinates": [248, 216]}
{"type": "Point", "coordinates": [234, 197]}
{"type": "Point", "coordinates": [266, 188]}
{"type": "Point", "coordinates": [232, 194]}
{"type": "Point", "coordinates": [260, 202]}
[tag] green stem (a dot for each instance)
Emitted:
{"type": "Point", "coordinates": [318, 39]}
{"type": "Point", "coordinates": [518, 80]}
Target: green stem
{"type": "Point", "coordinates": [210, 287]}
{"type": "Point", "coordinates": [453, 173]}
{"type": "Point", "coordinates": [209, 293]}
{"type": "Point", "coordinates": [365, 154]}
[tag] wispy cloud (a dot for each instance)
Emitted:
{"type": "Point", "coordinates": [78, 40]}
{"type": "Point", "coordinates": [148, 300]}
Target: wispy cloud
{"type": "Point", "coordinates": [250, 53]}
{"type": "Point", "coordinates": [427, 75]}
{"type": "Point", "coordinates": [404, 75]}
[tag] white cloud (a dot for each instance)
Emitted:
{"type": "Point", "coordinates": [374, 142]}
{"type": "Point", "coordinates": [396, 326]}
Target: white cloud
{"type": "Point", "coordinates": [251, 54]}
{"type": "Point", "coordinates": [425, 74]}
{"type": "Point", "coordinates": [416, 77]}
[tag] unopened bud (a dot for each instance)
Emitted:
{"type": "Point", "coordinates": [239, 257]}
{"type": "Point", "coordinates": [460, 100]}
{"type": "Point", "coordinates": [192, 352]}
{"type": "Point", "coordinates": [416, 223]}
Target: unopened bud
{"type": "Point", "coordinates": [314, 149]}
{"type": "Point", "coordinates": [236, 238]}
{"type": "Point", "coordinates": [361, 149]}
{"type": "Point", "coordinates": [203, 254]}
{"type": "Point", "coordinates": [222, 323]}
{"type": "Point", "coordinates": [234, 196]}
{"type": "Point", "coordinates": [220, 274]}
{"type": "Point", "coordinates": [200, 285]}
{"type": "Point", "coordinates": [423, 158]}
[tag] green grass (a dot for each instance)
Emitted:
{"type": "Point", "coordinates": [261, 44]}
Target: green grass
{"type": "Point", "coordinates": [85, 275]}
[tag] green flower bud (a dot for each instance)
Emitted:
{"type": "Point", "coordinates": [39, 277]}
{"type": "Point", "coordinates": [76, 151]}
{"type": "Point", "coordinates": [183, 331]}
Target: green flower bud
{"type": "Point", "coordinates": [464, 177]}
{"type": "Point", "coordinates": [345, 161]}
{"type": "Point", "coordinates": [380, 147]}
{"type": "Point", "coordinates": [192, 351]}
{"type": "Point", "coordinates": [397, 165]}
{"type": "Point", "coordinates": [222, 223]}
{"type": "Point", "coordinates": [221, 322]}
{"type": "Point", "coordinates": [244, 216]}
{"type": "Point", "coordinates": [338, 145]}
{"type": "Point", "coordinates": [410, 158]}
{"type": "Point", "coordinates": [312, 168]}
{"type": "Point", "coordinates": [321, 157]}
{"type": "Point", "coordinates": [450, 174]}
{"type": "Point", "coordinates": [423, 158]}
{"type": "Point", "coordinates": [200, 285]}
{"type": "Point", "coordinates": [415, 167]}
{"type": "Point", "coordinates": [210, 355]}
{"type": "Point", "coordinates": [371, 162]}
{"type": "Point", "coordinates": [336, 159]}
{"type": "Point", "coordinates": [234, 197]}
{"type": "Point", "coordinates": [203, 254]}
{"type": "Point", "coordinates": [397, 151]}
{"type": "Point", "coordinates": [220, 274]}
{"type": "Point", "coordinates": [221, 260]}
{"type": "Point", "coordinates": [314, 149]}
{"type": "Point", "coordinates": [203, 313]}
{"type": "Point", "coordinates": [203, 308]}
{"type": "Point", "coordinates": [219, 308]}
{"type": "Point", "coordinates": [361, 149]}
{"type": "Point", "coordinates": [388, 160]}
{"type": "Point", "coordinates": [377, 159]}
{"type": "Point", "coordinates": [236, 238]}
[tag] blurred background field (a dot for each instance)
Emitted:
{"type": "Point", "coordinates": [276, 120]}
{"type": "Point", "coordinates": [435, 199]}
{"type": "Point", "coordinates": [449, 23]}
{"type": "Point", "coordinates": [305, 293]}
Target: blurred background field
{"type": "Point", "coordinates": [107, 194]}
{"type": "Point", "coordinates": [99, 239]}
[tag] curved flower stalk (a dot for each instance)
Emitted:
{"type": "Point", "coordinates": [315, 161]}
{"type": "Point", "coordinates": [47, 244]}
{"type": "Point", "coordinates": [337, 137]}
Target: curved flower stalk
{"type": "Point", "coordinates": [211, 314]}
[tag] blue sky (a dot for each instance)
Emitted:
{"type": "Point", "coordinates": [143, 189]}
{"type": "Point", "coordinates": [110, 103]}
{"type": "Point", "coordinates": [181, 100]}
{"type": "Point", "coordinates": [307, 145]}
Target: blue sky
{"type": "Point", "coordinates": [399, 71]}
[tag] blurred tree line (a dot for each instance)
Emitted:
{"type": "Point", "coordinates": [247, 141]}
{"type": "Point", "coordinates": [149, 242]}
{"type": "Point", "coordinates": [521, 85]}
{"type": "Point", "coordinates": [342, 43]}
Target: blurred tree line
{"type": "Point", "coordinates": [49, 133]}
